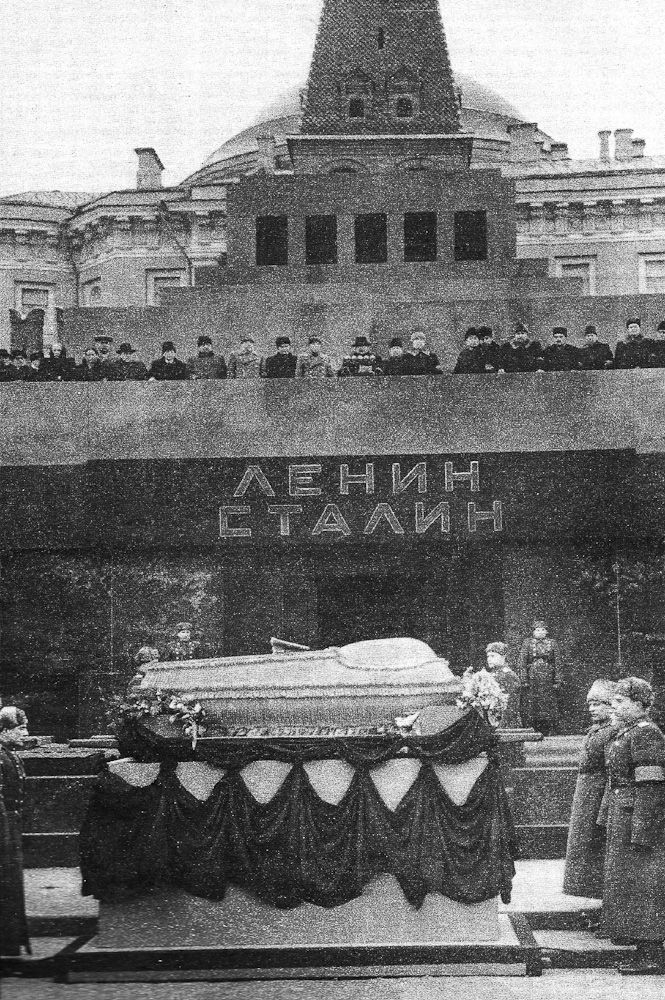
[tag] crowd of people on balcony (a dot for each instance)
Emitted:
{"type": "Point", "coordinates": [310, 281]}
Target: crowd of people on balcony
{"type": "Point", "coordinates": [481, 354]}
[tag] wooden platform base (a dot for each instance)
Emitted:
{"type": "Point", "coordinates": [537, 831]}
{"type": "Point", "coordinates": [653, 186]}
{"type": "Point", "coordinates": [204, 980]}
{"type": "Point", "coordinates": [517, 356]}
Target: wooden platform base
{"type": "Point", "coordinates": [516, 953]}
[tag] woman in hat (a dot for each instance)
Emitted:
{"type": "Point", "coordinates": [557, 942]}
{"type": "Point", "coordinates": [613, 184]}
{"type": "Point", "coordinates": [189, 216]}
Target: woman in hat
{"type": "Point", "coordinates": [540, 677]}
{"type": "Point", "coordinates": [13, 922]}
{"type": "Point", "coordinates": [634, 889]}
{"type": "Point", "coordinates": [585, 853]}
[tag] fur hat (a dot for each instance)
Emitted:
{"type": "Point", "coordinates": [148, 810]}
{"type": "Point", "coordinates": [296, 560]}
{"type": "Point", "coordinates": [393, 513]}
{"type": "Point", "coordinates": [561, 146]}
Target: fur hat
{"type": "Point", "coordinates": [203, 340]}
{"type": "Point", "coordinates": [560, 329]}
{"type": "Point", "coordinates": [485, 331]}
{"type": "Point", "coordinates": [636, 689]}
{"type": "Point", "coordinates": [602, 690]}
{"type": "Point", "coordinates": [661, 326]}
{"type": "Point", "coordinates": [183, 627]}
{"type": "Point", "coordinates": [281, 341]}
{"type": "Point", "coordinates": [590, 329]}
{"type": "Point", "coordinates": [168, 345]}
{"type": "Point", "coordinates": [497, 647]}
{"type": "Point", "coordinates": [314, 340]}
{"type": "Point", "coordinates": [396, 342]}
{"type": "Point", "coordinates": [471, 332]}
{"type": "Point", "coordinates": [636, 320]}
{"type": "Point", "coordinates": [539, 623]}
{"type": "Point", "coordinates": [361, 342]}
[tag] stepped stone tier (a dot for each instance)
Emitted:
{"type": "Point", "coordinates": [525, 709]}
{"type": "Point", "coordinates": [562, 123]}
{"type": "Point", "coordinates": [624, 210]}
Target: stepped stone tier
{"type": "Point", "coordinates": [358, 684]}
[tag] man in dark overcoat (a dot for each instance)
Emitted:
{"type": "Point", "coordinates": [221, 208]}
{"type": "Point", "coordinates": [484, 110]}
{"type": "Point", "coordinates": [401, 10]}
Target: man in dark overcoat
{"type": "Point", "coordinates": [633, 352]}
{"type": "Point", "coordinates": [585, 852]}
{"type": "Point", "coordinates": [634, 891]}
{"type": "Point", "coordinates": [283, 363]}
{"type": "Point", "coordinates": [169, 367]}
{"type": "Point", "coordinates": [595, 355]}
{"type": "Point", "coordinates": [657, 347]}
{"type": "Point", "coordinates": [470, 360]}
{"type": "Point", "coordinates": [521, 353]}
{"type": "Point", "coordinates": [560, 356]}
{"type": "Point", "coordinates": [13, 922]}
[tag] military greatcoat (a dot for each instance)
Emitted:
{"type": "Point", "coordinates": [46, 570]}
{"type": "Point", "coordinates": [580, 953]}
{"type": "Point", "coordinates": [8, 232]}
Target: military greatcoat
{"type": "Point", "coordinates": [540, 675]}
{"type": "Point", "coordinates": [13, 923]}
{"type": "Point", "coordinates": [634, 895]}
{"type": "Point", "coordinates": [585, 853]}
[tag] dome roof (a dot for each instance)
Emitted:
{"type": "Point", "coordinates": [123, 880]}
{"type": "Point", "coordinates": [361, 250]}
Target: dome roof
{"type": "Point", "coordinates": [483, 111]}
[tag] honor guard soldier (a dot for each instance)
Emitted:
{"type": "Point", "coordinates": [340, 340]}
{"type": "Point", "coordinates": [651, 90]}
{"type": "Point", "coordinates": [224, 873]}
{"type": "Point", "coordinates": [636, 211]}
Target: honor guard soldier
{"type": "Point", "coordinates": [540, 678]}
{"type": "Point", "coordinates": [183, 647]}
{"type": "Point", "coordinates": [13, 922]}
{"type": "Point", "coordinates": [585, 853]}
{"type": "Point", "coordinates": [634, 890]}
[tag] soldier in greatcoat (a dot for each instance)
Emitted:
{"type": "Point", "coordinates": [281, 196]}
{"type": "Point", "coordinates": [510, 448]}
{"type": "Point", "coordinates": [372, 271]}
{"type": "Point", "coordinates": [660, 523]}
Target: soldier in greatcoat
{"type": "Point", "coordinates": [540, 678]}
{"type": "Point", "coordinates": [183, 647]}
{"type": "Point", "coordinates": [13, 922]}
{"type": "Point", "coordinates": [585, 852]}
{"type": "Point", "coordinates": [634, 891]}
{"type": "Point", "coordinates": [507, 680]}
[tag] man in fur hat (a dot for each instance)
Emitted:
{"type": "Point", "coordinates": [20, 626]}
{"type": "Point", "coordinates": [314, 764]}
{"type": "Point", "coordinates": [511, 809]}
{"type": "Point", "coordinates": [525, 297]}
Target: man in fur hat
{"type": "Point", "coordinates": [206, 364]}
{"type": "Point", "coordinates": [633, 351]}
{"type": "Point", "coordinates": [314, 364]}
{"type": "Point", "coordinates": [595, 355]}
{"type": "Point", "coordinates": [521, 353]}
{"type": "Point", "coordinates": [470, 360]}
{"type": "Point", "coordinates": [169, 367]}
{"type": "Point", "coordinates": [362, 360]}
{"type": "Point", "coordinates": [560, 356]}
{"type": "Point", "coordinates": [421, 359]}
{"type": "Point", "coordinates": [585, 853]}
{"type": "Point", "coordinates": [283, 363]}
{"type": "Point", "coordinates": [396, 363]}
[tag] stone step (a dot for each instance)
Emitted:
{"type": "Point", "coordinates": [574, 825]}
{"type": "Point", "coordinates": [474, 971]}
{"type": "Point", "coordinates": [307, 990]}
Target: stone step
{"type": "Point", "coordinates": [60, 759]}
{"type": "Point", "coordinates": [50, 850]}
{"type": "Point", "coordinates": [579, 950]}
{"type": "Point", "coordinates": [56, 803]}
{"type": "Point", "coordinates": [542, 841]}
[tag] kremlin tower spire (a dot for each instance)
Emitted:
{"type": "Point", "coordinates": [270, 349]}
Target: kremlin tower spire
{"type": "Point", "coordinates": [380, 67]}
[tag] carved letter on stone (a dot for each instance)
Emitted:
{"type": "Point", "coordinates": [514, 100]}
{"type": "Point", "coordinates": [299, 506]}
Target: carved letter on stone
{"type": "Point", "coordinates": [331, 520]}
{"type": "Point", "coordinates": [495, 515]}
{"type": "Point", "coordinates": [225, 531]}
{"type": "Point", "coordinates": [254, 472]}
{"type": "Point", "coordinates": [418, 472]}
{"type": "Point", "coordinates": [383, 511]}
{"type": "Point", "coordinates": [300, 480]}
{"type": "Point", "coordinates": [439, 513]}
{"type": "Point", "coordinates": [365, 479]}
{"type": "Point", "coordinates": [284, 510]}
{"type": "Point", "coordinates": [472, 477]}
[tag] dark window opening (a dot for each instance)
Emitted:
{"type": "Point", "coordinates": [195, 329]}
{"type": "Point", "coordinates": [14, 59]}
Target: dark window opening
{"type": "Point", "coordinates": [403, 107]}
{"type": "Point", "coordinates": [272, 240]}
{"type": "Point", "coordinates": [321, 239]}
{"type": "Point", "coordinates": [420, 236]}
{"type": "Point", "coordinates": [470, 235]}
{"type": "Point", "coordinates": [381, 40]}
{"type": "Point", "coordinates": [356, 107]}
{"type": "Point", "coordinates": [371, 233]}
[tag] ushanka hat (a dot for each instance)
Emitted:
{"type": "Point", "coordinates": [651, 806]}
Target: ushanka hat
{"type": "Point", "coordinates": [203, 340]}
{"type": "Point", "coordinates": [602, 690]}
{"type": "Point", "coordinates": [636, 321]}
{"type": "Point", "coordinates": [281, 341]}
{"type": "Point", "coordinates": [497, 647]}
{"type": "Point", "coordinates": [361, 342]}
{"type": "Point", "coordinates": [471, 332]}
{"type": "Point", "coordinates": [168, 345]}
{"type": "Point", "coordinates": [590, 329]}
{"type": "Point", "coordinates": [560, 329]}
{"type": "Point", "coordinates": [636, 689]}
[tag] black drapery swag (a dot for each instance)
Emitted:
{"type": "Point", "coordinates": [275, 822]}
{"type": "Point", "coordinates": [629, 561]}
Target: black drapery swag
{"type": "Point", "coordinates": [298, 848]}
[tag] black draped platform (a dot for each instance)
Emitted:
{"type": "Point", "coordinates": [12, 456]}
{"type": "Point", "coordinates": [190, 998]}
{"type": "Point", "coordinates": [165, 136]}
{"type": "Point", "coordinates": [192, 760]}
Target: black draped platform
{"type": "Point", "coordinates": [297, 848]}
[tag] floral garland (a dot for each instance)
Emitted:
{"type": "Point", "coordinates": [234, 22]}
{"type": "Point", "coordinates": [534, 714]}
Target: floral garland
{"type": "Point", "coordinates": [481, 691]}
{"type": "Point", "coordinates": [181, 711]}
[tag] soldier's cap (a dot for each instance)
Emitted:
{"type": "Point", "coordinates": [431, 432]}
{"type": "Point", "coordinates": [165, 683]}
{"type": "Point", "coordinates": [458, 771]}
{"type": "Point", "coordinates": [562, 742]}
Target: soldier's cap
{"type": "Point", "coordinates": [471, 332]}
{"type": "Point", "coordinates": [636, 689]}
{"type": "Point", "coordinates": [560, 329]}
{"type": "Point", "coordinates": [661, 325]}
{"type": "Point", "coordinates": [168, 345]}
{"type": "Point", "coordinates": [497, 647]}
{"type": "Point", "coordinates": [361, 342]}
{"type": "Point", "coordinates": [103, 338]}
{"type": "Point", "coordinates": [635, 321]}
{"type": "Point", "coordinates": [602, 690]}
{"type": "Point", "coordinates": [281, 341]}
{"type": "Point", "coordinates": [183, 627]}
{"type": "Point", "coordinates": [396, 342]}
{"type": "Point", "coordinates": [590, 329]}
{"type": "Point", "coordinates": [539, 624]}
{"type": "Point", "coordinates": [125, 348]}
{"type": "Point", "coordinates": [203, 340]}
{"type": "Point", "coordinates": [314, 340]}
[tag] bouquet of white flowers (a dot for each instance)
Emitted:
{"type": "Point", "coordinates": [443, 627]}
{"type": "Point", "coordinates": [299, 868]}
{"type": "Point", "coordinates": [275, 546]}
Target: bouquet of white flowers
{"type": "Point", "coordinates": [481, 691]}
